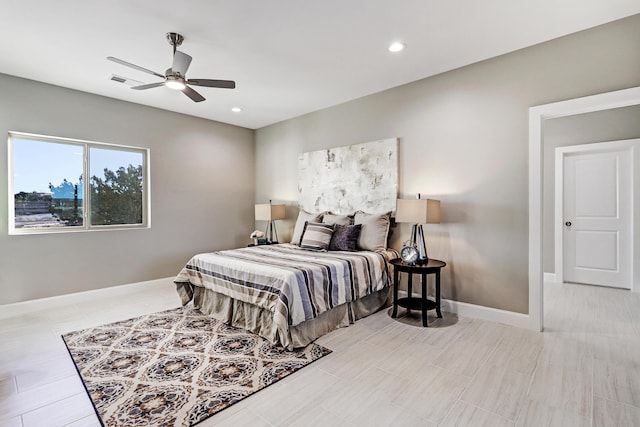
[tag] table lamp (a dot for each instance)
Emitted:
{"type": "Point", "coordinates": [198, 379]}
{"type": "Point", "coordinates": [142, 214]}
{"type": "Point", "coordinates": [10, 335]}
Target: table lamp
{"type": "Point", "coordinates": [270, 213]}
{"type": "Point", "coordinates": [418, 211]}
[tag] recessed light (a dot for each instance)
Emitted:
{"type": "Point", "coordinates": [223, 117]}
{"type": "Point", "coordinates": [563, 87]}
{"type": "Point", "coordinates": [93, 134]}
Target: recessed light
{"type": "Point", "coordinates": [236, 109]}
{"type": "Point", "coordinates": [396, 47]}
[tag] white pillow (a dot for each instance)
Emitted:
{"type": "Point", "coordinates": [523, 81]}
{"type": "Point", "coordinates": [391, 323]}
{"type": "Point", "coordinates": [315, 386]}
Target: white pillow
{"type": "Point", "coordinates": [303, 217]}
{"type": "Point", "coordinates": [375, 229]}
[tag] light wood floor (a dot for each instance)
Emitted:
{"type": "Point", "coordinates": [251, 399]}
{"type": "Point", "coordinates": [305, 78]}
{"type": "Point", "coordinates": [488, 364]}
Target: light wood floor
{"type": "Point", "coordinates": [583, 371]}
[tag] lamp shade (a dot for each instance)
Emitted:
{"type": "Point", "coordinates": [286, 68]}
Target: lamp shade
{"type": "Point", "coordinates": [418, 211]}
{"type": "Point", "coordinates": [269, 212]}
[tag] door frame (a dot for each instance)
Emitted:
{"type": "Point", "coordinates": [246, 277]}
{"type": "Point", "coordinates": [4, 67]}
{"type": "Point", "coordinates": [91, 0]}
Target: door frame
{"type": "Point", "coordinates": [537, 115]}
{"type": "Point", "coordinates": [561, 153]}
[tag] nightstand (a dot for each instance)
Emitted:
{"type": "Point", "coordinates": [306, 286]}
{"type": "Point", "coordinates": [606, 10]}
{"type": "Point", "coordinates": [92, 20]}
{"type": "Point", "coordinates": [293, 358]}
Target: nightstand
{"type": "Point", "coordinates": [412, 303]}
{"type": "Point", "coordinates": [262, 244]}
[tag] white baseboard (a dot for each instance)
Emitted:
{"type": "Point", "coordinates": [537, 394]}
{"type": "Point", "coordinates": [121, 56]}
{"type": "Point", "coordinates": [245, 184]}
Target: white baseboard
{"type": "Point", "coordinates": [79, 297]}
{"type": "Point", "coordinates": [484, 313]}
{"type": "Point", "coordinates": [487, 313]}
{"type": "Point", "coordinates": [549, 277]}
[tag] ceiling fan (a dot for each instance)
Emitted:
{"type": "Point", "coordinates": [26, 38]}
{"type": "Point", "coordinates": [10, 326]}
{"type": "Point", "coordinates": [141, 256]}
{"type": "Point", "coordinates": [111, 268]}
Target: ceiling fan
{"type": "Point", "coordinates": [175, 77]}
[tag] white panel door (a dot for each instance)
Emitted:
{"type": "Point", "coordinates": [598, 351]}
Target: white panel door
{"type": "Point", "coordinates": [597, 218]}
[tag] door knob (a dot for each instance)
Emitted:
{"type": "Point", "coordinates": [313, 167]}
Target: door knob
{"type": "Point", "coordinates": [568, 223]}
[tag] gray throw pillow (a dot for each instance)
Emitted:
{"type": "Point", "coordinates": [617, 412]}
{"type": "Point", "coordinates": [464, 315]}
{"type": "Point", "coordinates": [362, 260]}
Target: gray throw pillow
{"type": "Point", "coordinates": [330, 218]}
{"type": "Point", "coordinates": [375, 229]}
{"type": "Point", "coordinates": [316, 236]}
{"type": "Point", "coordinates": [303, 217]}
{"type": "Point", "coordinates": [345, 237]}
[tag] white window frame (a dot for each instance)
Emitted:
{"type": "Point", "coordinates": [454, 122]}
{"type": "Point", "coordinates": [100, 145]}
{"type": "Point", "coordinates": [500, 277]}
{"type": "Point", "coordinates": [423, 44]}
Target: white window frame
{"type": "Point", "coordinates": [86, 211]}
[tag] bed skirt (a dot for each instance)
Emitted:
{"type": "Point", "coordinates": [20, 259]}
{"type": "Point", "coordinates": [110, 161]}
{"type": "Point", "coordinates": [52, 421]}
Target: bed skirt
{"type": "Point", "coordinates": [260, 321]}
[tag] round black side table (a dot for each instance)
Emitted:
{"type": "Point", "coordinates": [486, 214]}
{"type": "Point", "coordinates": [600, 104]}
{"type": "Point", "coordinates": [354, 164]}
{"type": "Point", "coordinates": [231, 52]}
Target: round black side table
{"type": "Point", "coordinates": [410, 302]}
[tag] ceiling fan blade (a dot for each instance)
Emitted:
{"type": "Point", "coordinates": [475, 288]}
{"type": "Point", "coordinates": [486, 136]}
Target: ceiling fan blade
{"type": "Point", "coordinates": [223, 84]}
{"type": "Point", "coordinates": [136, 67]}
{"type": "Point", "coordinates": [148, 86]}
{"type": "Point", "coordinates": [181, 62]}
{"type": "Point", "coordinates": [195, 96]}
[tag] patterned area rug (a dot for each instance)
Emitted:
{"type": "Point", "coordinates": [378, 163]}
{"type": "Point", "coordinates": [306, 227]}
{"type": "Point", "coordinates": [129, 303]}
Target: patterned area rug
{"type": "Point", "coordinates": [176, 367]}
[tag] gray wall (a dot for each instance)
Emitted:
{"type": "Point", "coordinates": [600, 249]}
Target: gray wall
{"type": "Point", "coordinates": [463, 139]}
{"type": "Point", "coordinates": [202, 192]}
{"type": "Point", "coordinates": [608, 125]}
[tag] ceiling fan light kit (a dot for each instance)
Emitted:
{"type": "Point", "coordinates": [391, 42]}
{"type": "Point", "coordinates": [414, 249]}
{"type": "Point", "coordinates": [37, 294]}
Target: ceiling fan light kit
{"type": "Point", "coordinates": [175, 83]}
{"type": "Point", "coordinates": [175, 77]}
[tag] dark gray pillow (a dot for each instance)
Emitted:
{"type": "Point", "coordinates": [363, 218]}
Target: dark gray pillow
{"type": "Point", "coordinates": [345, 237]}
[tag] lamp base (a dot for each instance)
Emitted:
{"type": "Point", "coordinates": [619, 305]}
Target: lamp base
{"type": "Point", "coordinates": [271, 233]}
{"type": "Point", "coordinates": [417, 238]}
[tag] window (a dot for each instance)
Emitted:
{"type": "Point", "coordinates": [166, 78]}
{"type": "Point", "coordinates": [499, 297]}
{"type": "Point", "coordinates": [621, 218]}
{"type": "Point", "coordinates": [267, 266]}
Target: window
{"type": "Point", "coordinates": [49, 191]}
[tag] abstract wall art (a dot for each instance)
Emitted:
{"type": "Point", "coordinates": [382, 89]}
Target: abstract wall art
{"type": "Point", "coordinates": [346, 179]}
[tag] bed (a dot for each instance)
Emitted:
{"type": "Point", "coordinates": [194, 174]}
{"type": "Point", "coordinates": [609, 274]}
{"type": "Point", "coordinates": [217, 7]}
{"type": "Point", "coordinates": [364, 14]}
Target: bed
{"type": "Point", "coordinates": [287, 294]}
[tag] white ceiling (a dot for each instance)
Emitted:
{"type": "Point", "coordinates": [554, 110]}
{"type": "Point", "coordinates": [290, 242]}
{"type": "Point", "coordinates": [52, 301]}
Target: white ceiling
{"type": "Point", "coordinates": [288, 57]}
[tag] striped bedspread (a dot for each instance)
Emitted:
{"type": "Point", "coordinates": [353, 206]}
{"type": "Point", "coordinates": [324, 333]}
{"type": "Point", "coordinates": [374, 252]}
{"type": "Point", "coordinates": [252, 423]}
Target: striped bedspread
{"type": "Point", "coordinates": [295, 284]}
